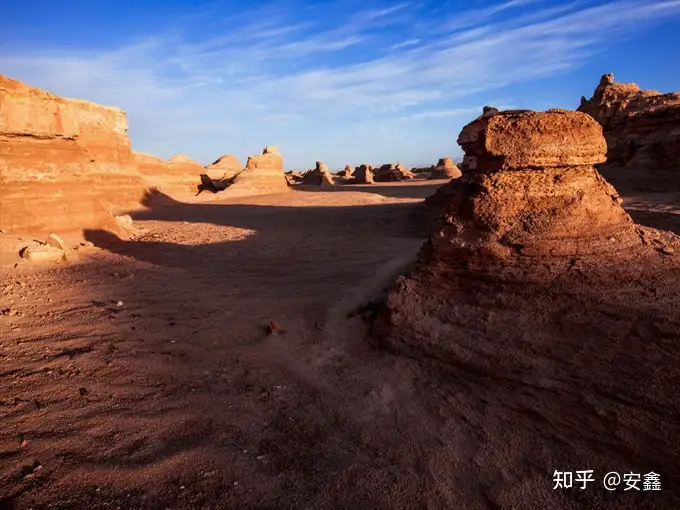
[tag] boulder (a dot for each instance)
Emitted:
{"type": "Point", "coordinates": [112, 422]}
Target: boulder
{"type": "Point", "coordinates": [263, 175]}
{"type": "Point", "coordinates": [642, 133]}
{"type": "Point", "coordinates": [65, 164]}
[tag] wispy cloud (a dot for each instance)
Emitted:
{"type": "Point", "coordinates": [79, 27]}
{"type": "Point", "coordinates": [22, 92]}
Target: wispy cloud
{"type": "Point", "coordinates": [405, 44]}
{"type": "Point", "coordinates": [303, 81]}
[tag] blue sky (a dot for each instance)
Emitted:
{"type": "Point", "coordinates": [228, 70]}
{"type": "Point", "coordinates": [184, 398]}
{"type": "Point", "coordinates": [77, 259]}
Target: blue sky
{"type": "Point", "coordinates": [343, 81]}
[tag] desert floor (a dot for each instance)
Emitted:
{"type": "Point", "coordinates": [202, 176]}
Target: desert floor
{"type": "Point", "coordinates": [145, 375]}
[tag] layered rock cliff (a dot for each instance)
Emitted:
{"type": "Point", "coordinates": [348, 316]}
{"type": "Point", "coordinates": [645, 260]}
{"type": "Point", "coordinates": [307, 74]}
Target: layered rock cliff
{"type": "Point", "coordinates": [642, 128]}
{"type": "Point", "coordinates": [65, 164]}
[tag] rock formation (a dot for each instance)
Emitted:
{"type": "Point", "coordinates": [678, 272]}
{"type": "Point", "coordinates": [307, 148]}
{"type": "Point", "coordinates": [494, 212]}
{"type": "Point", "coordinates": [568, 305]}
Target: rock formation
{"type": "Point", "coordinates": [392, 173]}
{"type": "Point", "coordinates": [319, 176]}
{"type": "Point", "coordinates": [348, 171]}
{"type": "Point", "coordinates": [224, 168]}
{"type": "Point", "coordinates": [546, 309]}
{"type": "Point", "coordinates": [530, 207]}
{"type": "Point", "coordinates": [445, 169]}
{"type": "Point", "coordinates": [176, 176]}
{"type": "Point", "coordinates": [65, 164]}
{"type": "Point", "coordinates": [293, 177]}
{"type": "Point", "coordinates": [263, 175]}
{"type": "Point", "coordinates": [642, 128]}
{"type": "Point", "coordinates": [362, 175]}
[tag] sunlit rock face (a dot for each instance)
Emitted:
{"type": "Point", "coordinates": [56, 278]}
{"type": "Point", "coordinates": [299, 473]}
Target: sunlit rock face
{"type": "Point", "coordinates": [642, 129]}
{"type": "Point", "coordinates": [65, 164]}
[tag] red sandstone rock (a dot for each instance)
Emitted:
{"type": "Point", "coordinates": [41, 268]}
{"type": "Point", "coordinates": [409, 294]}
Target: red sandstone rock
{"type": "Point", "coordinates": [319, 176]}
{"type": "Point", "coordinates": [176, 176]}
{"type": "Point", "coordinates": [392, 173]}
{"type": "Point", "coordinates": [445, 169]}
{"type": "Point", "coordinates": [65, 164]}
{"type": "Point", "coordinates": [641, 128]}
{"type": "Point", "coordinates": [530, 297]}
{"type": "Point", "coordinates": [362, 175]}
{"type": "Point", "coordinates": [224, 168]}
{"type": "Point", "coordinates": [263, 175]}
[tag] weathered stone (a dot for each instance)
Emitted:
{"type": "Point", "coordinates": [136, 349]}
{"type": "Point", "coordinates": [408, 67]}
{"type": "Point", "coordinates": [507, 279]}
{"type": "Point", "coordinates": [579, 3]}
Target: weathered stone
{"type": "Point", "coordinates": [641, 128]}
{"type": "Point", "coordinates": [363, 175]}
{"type": "Point", "coordinates": [177, 176]}
{"type": "Point", "coordinates": [445, 169]}
{"type": "Point", "coordinates": [224, 168]}
{"type": "Point", "coordinates": [526, 139]}
{"type": "Point", "coordinates": [319, 176]}
{"type": "Point", "coordinates": [392, 173]}
{"type": "Point", "coordinates": [45, 253]}
{"type": "Point", "coordinates": [263, 175]}
{"type": "Point", "coordinates": [65, 164]}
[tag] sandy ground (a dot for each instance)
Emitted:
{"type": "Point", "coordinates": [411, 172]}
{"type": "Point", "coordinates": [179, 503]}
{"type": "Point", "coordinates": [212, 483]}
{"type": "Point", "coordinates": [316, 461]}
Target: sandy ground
{"type": "Point", "coordinates": [145, 375]}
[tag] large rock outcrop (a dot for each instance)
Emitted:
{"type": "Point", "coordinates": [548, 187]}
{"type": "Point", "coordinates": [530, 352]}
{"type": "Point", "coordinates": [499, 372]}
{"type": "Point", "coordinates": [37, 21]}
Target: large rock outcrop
{"type": "Point", "coordinates": [263, 175]}
{"type": "Point", "coordinates": [65, 164]}
{"type": "Point", "coordinates": [225, 167]}
{"type": "Point", "coordinates": [445, 169]}
{"type": "Point", "coordinates": [642, 128]}
{"type": "Point", "coordinates": [547, 310]}
{"type": "Point", "coordinates": [178, 175]}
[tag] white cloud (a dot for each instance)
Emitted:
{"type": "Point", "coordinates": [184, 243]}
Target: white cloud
{"type": "Point", "coordinates": [405, 44]}
{"type": "Point", "coordinates": [304, 83]}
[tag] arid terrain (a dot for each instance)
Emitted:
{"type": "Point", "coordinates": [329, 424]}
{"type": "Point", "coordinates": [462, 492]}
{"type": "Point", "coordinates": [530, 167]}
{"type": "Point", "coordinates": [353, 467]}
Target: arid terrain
{"type": "Point", "coordinates": [145, 376]}
{"type": "Point", "coordinates": [228, 336]}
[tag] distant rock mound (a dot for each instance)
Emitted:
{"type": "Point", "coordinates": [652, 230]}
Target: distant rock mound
{"type": "Point", "coordinates": [392, 173]}
{"type": "Point", "coordinates": [65, 164]}
{"type": "Point", "coordinates": [445, 169]}
{"type": "Point", "coordinates": [225, 167]}
{"type": "Point", "coordinates": [643, 137]}
{"type": "Point", "coordinates": [263, 175]}
{"type": "Point", "coordinates": [179, 175]}
{"type": "Point", "coordinates": [348, 171]}
{"type": "Point", "coordinates": [294, 177]}
{"type": "Point", "coordinates": [319, 176]}
{"type": "Point", "coordinates": [363, 174]}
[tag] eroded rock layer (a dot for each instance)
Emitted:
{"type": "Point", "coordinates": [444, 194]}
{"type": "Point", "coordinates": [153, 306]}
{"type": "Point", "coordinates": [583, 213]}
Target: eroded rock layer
{"type": "Point", "coordinates": [392, 173]}
{"type": "Point", "coordinates": [226, 167]}
{"type": "Point", "coordinates": [319, 176]}
{"type": "Point", "coordinates": [176, 176]}
{"type": "Point", "coordinates": [642, 128]}
{"type": "Point", "coordinates": [445, 169]}
{"type": "Point", "coordinates": [263, 175]}
{"type": "Point", "coordinates": [65, 164]}
{"type": "Point", "coordinates": [547, 309]}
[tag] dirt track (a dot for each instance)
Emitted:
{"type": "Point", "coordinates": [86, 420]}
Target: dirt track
{"type": "Point", "coordinates": [178, 397]}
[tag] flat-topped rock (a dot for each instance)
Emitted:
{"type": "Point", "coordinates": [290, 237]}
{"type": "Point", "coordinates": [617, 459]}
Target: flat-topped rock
{"type": "Point", "coordinates": [526, 139]}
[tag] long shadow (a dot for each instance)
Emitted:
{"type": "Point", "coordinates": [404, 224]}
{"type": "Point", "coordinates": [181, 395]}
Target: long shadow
{"type": "Point", "coordinates": [391, 190]}
{"type": "Point", "coordinates": [273, 238]}
{"type": "Point", "coordinates": [656, 210]}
